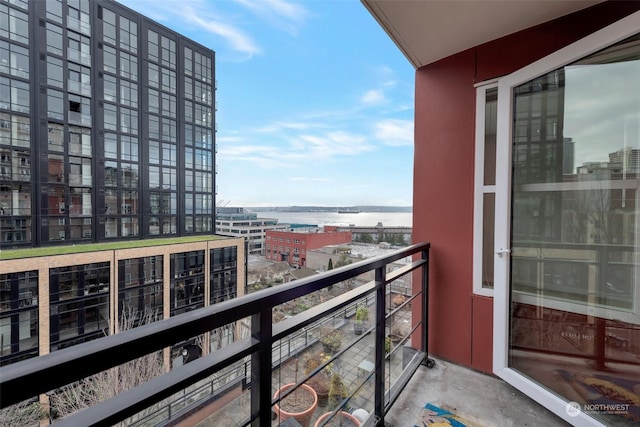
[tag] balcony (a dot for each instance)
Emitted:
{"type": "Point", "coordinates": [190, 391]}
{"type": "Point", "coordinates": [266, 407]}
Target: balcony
{"type": "Point", "coordinates": [239, 379]}
{"type": "Point", "coordinates": [367, 341]}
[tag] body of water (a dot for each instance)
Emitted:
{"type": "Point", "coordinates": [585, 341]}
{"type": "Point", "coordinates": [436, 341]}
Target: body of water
{"type": "Point", "coordinates": [361, 219]}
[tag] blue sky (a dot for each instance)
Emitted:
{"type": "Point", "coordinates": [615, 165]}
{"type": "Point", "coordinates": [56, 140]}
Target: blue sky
{"type": "Point", "coordinates": [315, 102]}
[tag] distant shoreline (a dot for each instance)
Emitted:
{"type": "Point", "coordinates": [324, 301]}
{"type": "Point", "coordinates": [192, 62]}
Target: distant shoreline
{"type": "Point", "coordinates": [328, 208]}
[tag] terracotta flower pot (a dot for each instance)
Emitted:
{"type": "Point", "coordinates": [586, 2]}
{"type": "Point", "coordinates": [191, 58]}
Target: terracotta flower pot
{"type": "Point", "coordinates": [303, 416]}
{"type": "Point", "coordinates": [348, 420]}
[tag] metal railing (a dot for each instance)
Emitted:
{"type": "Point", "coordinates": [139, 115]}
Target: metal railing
{"type": "Point", "coordinates": [29, 378]}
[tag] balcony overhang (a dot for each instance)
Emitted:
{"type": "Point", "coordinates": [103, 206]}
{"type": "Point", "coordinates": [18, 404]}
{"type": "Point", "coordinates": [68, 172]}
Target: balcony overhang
{"type": "Point", "coordinates": [426, 31]}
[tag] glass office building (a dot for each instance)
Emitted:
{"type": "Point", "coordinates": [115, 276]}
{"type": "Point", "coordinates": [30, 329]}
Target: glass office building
{"type": "Point", "coordinates": [107, 133]}
{"type": "Point", "coordinates": [106, 126]}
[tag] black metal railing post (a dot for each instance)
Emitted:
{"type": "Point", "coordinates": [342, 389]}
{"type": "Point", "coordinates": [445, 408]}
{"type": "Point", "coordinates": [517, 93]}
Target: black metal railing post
{"type": "Point", "coordinates": [261, 329]}
{"type": "Point", "coordinates": [380, 332]}
{"type": "Point", "coordinates": [425, 310]}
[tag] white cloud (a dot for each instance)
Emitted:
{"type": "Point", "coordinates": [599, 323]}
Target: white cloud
{"type": "Point", "coordinates": [373, 97]}
{"type": "Point", "coordinates": [332, 144]}
{"type": "Point", "coordinates": [229, 139]}
{"type": "Point", "coordinates": [238, 40]}
{"type": "Point", "coordinates": [395, 132]}
{"type": "Point", "coordinates": [281, 126]}
{"type": "Point", "coordinates": [292, 151]}
{"type": "Point", "coordinates": [202, 14]}
{"type": "Point", "coordinates": [279, 13]}
{"type": "Point", "coordinates": [313, 179]}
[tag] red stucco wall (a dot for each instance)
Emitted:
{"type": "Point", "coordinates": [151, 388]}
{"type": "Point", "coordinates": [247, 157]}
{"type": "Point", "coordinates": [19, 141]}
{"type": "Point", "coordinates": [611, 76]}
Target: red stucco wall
{"type": "Point", "coordinates": [460, 323]}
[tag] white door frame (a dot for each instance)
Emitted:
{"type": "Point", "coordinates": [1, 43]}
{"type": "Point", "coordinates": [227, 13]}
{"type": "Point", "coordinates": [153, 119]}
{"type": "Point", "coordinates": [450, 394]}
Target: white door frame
{"type": "Point", "coordinates": [612, 34]}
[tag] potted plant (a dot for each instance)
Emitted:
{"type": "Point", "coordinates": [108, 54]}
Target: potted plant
{"type": "Point", "coordinates": [396, 335]}
{"type": "Point", "coordinates": [331, 339]}
{"type": "Point", "coordinates": [321, 381]}
{"type": "Point", "coordinates": [397, 300]}
{"type": "Point", "coordinates": [338, 393]}
{"type": "Point", "coordinates": [299, 404]}
{"type": "Point", "coordinates": [362, 316]}
{"type": "Point", "coordinates": [341, 419]}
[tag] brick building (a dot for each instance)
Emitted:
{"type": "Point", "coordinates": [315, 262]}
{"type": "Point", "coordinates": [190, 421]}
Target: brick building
{"type": "Point", "coordinates": [292, 246]}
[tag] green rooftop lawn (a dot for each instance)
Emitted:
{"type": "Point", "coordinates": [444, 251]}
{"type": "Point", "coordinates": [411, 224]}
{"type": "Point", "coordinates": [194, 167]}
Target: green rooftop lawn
{"type": "Point", "coordinates": [91, 247]}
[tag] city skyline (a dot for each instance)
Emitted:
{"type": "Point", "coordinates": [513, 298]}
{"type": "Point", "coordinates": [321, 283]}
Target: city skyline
{"type": "Point", "coordinates": [314, 101]}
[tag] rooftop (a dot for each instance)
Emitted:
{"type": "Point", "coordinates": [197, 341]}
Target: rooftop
{"type": "Point", "coordinates": [92, 247]}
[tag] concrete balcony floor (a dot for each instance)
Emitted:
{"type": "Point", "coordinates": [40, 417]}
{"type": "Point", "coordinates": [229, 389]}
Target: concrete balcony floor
{"type": "Point", "coordinates": [483, 400]}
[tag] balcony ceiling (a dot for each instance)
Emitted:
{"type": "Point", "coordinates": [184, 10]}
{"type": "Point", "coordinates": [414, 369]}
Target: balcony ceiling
{"type": "Point", "coordinates": [429, 30]}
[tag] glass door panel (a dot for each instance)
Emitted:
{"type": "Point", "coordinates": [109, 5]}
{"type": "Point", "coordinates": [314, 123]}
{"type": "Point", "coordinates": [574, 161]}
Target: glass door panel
{"type": "Point", "coordinates": [575, 247]}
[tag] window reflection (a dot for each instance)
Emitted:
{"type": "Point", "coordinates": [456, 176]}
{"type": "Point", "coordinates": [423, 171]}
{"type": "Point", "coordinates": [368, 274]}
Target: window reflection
{"type": "Point", "coordinates": [574, 266]}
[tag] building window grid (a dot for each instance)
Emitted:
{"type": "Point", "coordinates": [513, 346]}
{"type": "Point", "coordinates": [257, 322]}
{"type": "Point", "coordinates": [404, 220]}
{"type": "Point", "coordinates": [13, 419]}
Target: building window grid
{"type": "Point", "coordinates": [78, 50]}
{"type": "Point", "coordinates": [54, 10]}
{"type": "Point", "coordinates": [79, 301]}
{"type": "Point", "coordinates": [124, 145]}
{"type": "Point", "coordinates": [19, 311]}
{"type": "Point", "coordinates": [128, 67]}
{"type": "Point", "coordinates": [54, 39]}
{"type": "Point", "coordinates": [109, 30]}
{"type": "Point", "coordinates": [14, 59]}
{"type": "Point", "coordinates": [168, 51]}
{"type": "Point", "coordinates": [14, 24]}
{"type": "Point", "coordinates": [128, 36]}
{"type": "Point", "coordinates": [163, 129]}
{"type": "Point", "coordinates": [223, 274]}
{"type": "Point", "coordinates": [128, 93]}
{"type": "Point", "coordinates": [14, 95]}
{"type": "Point", "coordinates": [15, 162]}
{"type": "Point", "coordinates": [140, 287]}
{"type": "Point", "coordinates": [187, 282]}
{"type": "Point", "coordinates": [77, 144]}
{"type": "Point", "coordinates": [79, 79]}
{"type": "Point", "coordinates": [78, 16]}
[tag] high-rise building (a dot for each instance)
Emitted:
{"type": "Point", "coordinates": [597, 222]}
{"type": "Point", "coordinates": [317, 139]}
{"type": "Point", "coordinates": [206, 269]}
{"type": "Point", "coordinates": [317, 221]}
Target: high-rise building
{"type": "Point", "coordinates": [106, 135]}
{"type": "Point", "coordinates": [106, 126]}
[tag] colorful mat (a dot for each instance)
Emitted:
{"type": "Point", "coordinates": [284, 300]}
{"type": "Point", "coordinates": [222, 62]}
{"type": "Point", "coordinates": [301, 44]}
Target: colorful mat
{"type": "Point", "coordinates": [435, 416]}
{"type": "Point", "coordinates": [607, 394]}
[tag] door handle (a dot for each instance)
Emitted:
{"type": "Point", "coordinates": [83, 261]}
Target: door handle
{"type": "Point", "coordinates": [501, 251]}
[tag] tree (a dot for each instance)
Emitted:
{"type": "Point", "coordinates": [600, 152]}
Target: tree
{"type": "Point", "coordinates": [366, 238]}
{"type": "Point", "coordinates": [107, 384]}
{"type": "Point", "coordinates": [27, 413]}
{"type": "Point", "coordinates": [343, 260]}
